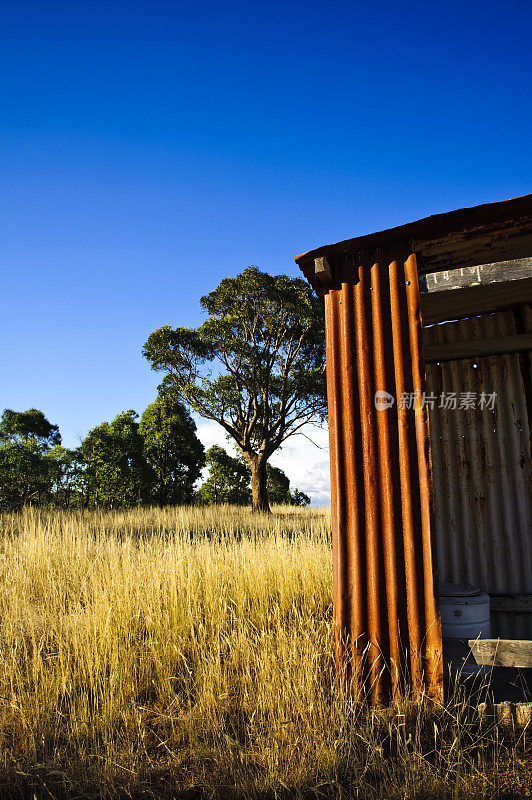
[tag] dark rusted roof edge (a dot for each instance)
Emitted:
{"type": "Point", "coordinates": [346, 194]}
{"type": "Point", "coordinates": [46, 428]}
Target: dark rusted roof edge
{"type": "Point", "coordinates": [412, 234]}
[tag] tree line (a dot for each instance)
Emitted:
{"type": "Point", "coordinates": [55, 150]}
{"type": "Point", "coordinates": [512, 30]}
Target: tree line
{"type": "Point", "coordinates": [120, 464]}
{"type": "Point", "coordinates": [256, 366]}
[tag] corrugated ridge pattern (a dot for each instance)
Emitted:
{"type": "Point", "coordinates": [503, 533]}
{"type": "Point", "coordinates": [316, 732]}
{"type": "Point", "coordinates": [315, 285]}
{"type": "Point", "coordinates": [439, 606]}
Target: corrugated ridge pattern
{"type": "Point", "coordinates": [481, 464]}
{"type": "Point", "coordinates": [387, 622]}
{"type": "Point", "coordinates": [511, 625]}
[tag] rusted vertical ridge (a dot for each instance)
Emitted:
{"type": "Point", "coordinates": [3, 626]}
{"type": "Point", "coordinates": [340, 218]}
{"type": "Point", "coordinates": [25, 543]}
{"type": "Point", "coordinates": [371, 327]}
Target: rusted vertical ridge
{"type": "Point", "coordinates": [339, 533]}
{"type": "Point", "coordinates": [351, 478]}
{"type": "Point", "coordinates": [454, 523]}
{"type": "Point", "coordinates": [370, 466]}
{"type": "Point", "coordinates": [386, 488]}
{"type": "Point", "coordinates": [412, 595]}
{"type": "Point", "coordinates": [442, 515]}
{"type": "Point", "coordinates": [477, 459]}
{"type": "Point", "coordinates": [434, 662]}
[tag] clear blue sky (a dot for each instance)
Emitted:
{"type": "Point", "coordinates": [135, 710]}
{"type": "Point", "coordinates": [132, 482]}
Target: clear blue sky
{"type": "Point", "coordinates": [150, 148]}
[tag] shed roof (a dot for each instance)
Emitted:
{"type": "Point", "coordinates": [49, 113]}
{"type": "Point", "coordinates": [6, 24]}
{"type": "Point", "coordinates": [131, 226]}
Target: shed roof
{"type": "Point", "coordinates": [463, 238]}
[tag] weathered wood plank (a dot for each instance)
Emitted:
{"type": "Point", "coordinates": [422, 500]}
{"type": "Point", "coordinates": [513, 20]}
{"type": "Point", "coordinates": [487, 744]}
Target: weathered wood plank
{"type": "Point", "coordinates": [448, 351]}
{"type": "Point", "coordinates": [473, 276]}
{"type": "Point", "coordinates": [470, 248]}
{"type": "Point", "coordinates": [457, 303]}
{"type": "Point", "coordinates": [502, 652]}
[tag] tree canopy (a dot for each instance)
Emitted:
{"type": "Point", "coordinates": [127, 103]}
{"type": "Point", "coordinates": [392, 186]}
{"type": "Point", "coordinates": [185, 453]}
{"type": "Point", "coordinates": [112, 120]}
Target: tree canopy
{"type": "Point", "coordinates": [26, 468]}
{"type": "Point", "coordinates": [256, 365]}
{"type": "Point", "coordinates": [115, 469]}
{"type": "Point", "coordinates": [158, 460]}
{"type": "Point", "coordinates": [228, 480]}
{"type": "Point", "coordinates": [279, 489]}
{"type": "Point", "coordinates": [67, 476]}
{"type": "Point", "coordinates": [31, 425]}
{"type": "Point", "coordinates": [174, 454]}
{"type": "Point", "coordinates": [278, 485]}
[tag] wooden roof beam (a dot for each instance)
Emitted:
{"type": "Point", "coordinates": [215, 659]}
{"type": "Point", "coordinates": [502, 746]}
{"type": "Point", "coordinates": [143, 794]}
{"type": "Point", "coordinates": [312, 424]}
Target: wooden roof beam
{"type": "Point", "coordinates": [457, 303]}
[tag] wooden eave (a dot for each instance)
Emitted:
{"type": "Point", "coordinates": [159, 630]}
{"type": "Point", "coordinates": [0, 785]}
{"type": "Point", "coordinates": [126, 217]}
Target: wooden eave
{"type": "Point", "coordinates": [467, 237]}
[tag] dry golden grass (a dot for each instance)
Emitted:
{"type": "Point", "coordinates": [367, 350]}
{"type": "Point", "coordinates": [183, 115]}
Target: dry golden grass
{"type": "Point", "coordinates": [188, 653]}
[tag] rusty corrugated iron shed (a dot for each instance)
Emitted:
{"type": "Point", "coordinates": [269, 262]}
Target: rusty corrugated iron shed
{"type": "Point", "coordinates": [385, 595]}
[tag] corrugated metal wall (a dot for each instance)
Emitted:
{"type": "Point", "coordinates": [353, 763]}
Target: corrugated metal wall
{"type": "Point", "coordinates": [387, 622]}
{"type": "Point", "coordinates": [481, 467]}
{"type": "Point", "coordinates": [511, 625]}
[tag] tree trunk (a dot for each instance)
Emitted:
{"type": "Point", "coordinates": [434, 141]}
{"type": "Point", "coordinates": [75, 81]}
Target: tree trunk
{"type": "Point", "coordinates": [163, 494]}
{"type": "Point", "coordinates": [259, 492]}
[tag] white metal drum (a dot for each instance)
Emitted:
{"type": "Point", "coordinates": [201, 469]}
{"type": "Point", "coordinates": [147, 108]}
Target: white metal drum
{"type": "Point", "coordinates": [465, 614]}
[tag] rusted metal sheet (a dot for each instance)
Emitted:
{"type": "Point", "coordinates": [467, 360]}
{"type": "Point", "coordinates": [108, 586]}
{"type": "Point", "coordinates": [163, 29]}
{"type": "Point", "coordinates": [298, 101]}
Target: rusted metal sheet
{"type": "Point", "coordinates": [387, 620]}
{"type": "Point", "coordinates": [481, 463]}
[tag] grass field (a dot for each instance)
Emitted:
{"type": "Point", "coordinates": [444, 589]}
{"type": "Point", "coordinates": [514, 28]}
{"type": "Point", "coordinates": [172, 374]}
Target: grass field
{"type": "Point", "coordinates": [188, 653]}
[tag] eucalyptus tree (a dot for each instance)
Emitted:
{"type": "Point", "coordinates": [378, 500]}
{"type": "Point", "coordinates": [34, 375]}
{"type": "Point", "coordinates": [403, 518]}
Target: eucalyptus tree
{"type": "Point", "coordinates": [256, 365]}
{"type": "Point", "coordinates": [228, 479]}
{"type": "Point", "coordinates": [115, 471]}
{"type": "Point", "coordinates": [278, 484]}
{"type": "Point", "coordinates": [173, 452]}
{"type": "Point", "coordinates": [27, 440]}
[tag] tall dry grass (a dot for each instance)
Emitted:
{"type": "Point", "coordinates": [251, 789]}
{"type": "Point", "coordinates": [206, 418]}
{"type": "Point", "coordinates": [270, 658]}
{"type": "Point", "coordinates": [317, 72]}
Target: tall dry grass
{"type": "Point", "coordinates": [188, 652]}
